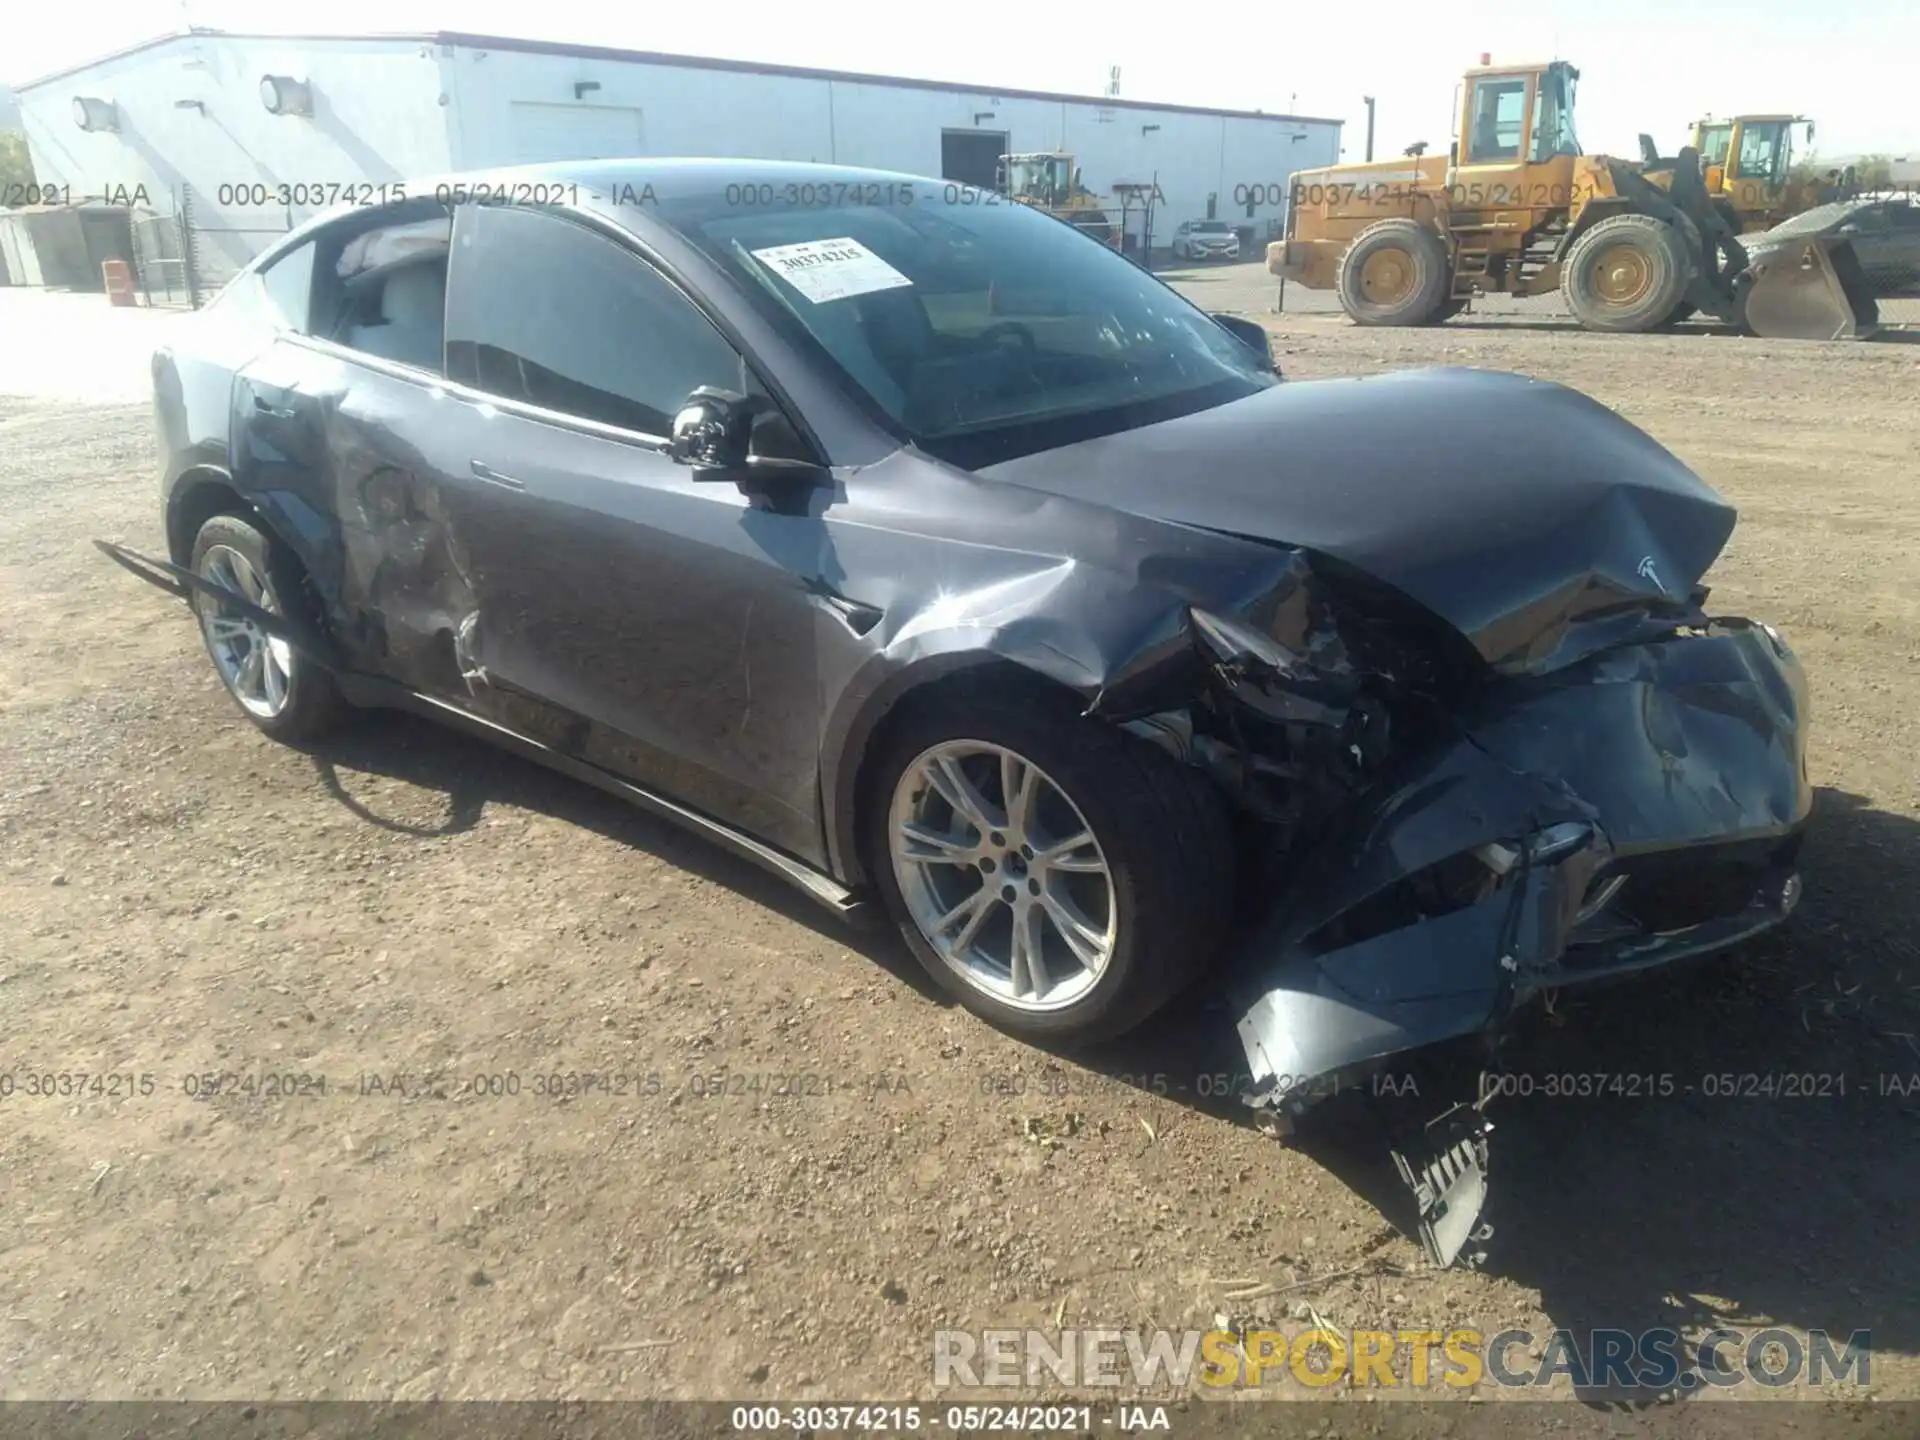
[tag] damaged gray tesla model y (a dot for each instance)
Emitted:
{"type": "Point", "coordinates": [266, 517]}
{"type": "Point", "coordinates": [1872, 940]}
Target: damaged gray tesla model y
{"type": "Point", "coordinates": [915, 545]}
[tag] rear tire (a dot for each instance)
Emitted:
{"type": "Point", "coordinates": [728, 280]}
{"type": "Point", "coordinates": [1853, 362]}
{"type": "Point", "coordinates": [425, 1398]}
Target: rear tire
{"type": "Point", "coordinates": [1396, 272]}
{"type": "Point", "coordinates": [288, 696]}
{"type": "Point", "coordinates": [1147, 895]}
{"type": "Point", "coordinates": [1627, 274]}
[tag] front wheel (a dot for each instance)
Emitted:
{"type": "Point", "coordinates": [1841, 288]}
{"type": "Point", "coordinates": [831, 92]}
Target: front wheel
{"type": "Point", "coordinates": [1627, 274]}
{"type": "Point", "coordinates": [1061, 879]}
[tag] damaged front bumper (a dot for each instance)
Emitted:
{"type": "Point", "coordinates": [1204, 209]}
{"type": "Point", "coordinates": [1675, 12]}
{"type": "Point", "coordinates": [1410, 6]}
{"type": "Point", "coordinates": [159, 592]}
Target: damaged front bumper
{"type": "Point", "coordinates": [1634, 809]}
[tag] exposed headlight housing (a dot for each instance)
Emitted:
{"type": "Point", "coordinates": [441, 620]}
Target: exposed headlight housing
{"type": "Point", "coordinates": [1234, 640]}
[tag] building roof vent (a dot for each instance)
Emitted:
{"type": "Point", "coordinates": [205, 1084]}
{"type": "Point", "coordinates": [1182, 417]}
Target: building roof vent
{"type": "Point", "coordinates": [92, 114]}
{"type": "Point", "coordinates": [284, 95]}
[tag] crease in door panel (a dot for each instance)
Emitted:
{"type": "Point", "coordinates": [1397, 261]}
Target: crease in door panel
{"type": "Point", "coordinates": [746, 665]}
{"type": "Point", "coordinates": [416, 577]}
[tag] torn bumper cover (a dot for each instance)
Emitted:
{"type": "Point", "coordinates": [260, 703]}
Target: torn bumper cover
{"type": "Point", "coordinates": [1633, 809]}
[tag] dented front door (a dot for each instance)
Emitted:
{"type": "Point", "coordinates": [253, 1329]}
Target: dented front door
{"type": "Point", "coordinates": [608, 582]}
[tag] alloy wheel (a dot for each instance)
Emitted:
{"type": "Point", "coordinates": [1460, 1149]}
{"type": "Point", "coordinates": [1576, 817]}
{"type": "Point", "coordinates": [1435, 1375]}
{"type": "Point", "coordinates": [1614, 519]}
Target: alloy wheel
{"type": "Point", "coordinates": [1002, 875]}
{"type": "Point", "coordinates": [256, 667]}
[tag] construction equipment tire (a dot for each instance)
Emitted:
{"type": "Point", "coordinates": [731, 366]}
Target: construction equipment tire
{"type": "Point", "coordinates": [1396, 272]}
{"type": "Point", "coordinates": [1627, 274]}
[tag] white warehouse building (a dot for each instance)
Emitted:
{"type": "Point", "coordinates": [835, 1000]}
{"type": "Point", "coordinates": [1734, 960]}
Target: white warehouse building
{"type": "Point", "coordinates": [256, 132]}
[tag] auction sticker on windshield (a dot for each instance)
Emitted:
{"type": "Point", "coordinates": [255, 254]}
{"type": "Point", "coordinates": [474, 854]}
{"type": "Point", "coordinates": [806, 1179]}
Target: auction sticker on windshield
{"type": "Point", "coordinates": [825, 270]}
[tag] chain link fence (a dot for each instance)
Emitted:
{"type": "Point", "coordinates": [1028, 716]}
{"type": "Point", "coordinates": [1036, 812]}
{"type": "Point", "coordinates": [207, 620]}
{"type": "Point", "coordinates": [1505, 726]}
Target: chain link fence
{"type": "Point", "coordinates": [160, 268]}
{"type": "Point", "coordinates": [220, 240]}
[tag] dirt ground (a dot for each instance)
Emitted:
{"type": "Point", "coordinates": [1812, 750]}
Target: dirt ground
{"type": "Point", "coordinates": [410, 916]}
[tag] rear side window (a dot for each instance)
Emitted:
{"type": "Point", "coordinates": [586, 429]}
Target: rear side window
{"type": "Point", "coordinates": [543, 310]}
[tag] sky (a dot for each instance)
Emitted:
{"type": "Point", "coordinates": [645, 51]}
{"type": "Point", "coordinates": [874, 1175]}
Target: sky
{"type": "Point", "coordinates": [1652, 65]}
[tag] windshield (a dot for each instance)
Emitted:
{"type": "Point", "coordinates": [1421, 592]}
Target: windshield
{"type": "Point", "coordinates": [1714, 140]}
{"type": "Point", "coordinates": [978, 328]}
{"type": "Point", "coordinates": [1210, 227]}
{"type": "Point", "coordinates": [1553, 126]}
{"type": "Point", "coordinates": [1041, 178]}
{"type": "Point", "coordinates": [1764, 150]}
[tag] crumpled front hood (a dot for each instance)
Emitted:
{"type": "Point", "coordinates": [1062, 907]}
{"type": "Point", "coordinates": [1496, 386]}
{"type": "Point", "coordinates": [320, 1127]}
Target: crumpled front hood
{"type": "Point", "coordinates": [1519, 511]}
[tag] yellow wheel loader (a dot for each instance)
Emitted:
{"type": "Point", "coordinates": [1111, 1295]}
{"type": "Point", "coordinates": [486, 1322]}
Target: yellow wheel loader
{"type": "Point", "coordinates": [1747, 161]}
{"type": "Point", "coordinates": [1516, 208]}
{"type": "Point", "coordinates": [1049, 180]}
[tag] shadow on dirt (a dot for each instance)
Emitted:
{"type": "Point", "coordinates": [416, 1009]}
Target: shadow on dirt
{"type": "Point", "coordinates": [473, 775]}
{"type": "Point", "coordinates": [1774, 1183]}
{"type": "Point", "coordinates": [1738, 1147]}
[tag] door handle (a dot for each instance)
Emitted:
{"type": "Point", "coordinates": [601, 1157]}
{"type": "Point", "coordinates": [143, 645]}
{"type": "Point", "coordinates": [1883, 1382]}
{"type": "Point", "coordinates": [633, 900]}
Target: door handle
{"type": "Point", "coordinates": [494, 477]}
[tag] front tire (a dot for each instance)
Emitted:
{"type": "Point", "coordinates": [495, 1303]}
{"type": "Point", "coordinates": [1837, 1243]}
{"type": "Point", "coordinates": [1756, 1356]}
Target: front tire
{"type": "Point", "coordinates": [1627, 274]}
{"type": "Point", "coordinates": [1396, 272]}
{"type": "Point", "coordinates": [1061, 879]}
{"type": "Point", "coordinates": [288, 696]}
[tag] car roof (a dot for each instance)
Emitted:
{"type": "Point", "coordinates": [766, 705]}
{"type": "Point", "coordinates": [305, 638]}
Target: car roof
{"type": "Point", "coordinates": [615, 182]}
{"type": "Point", "coordinates": [1814, 221]}
{"type": "Point", "coordinates": [679, 176]}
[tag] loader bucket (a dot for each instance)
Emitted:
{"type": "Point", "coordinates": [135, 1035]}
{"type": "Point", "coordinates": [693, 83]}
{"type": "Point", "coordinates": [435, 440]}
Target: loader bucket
{"type": "Point", "coordinates": [1811, 290]}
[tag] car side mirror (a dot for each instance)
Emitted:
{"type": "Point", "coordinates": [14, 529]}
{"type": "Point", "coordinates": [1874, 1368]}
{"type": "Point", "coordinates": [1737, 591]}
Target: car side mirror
{"type": "Point", "coordinates": [711, 432]}
{"type": "Point", "coordinates": [714, 434]}
{"type": "Point", "coordinates": [1251, 334]}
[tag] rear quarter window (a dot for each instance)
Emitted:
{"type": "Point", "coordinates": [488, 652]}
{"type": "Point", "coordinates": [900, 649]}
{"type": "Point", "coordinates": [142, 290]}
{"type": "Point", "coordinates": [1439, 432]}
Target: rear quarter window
{"type": "Point", "coordinates": [278, 296]}
{"type": "Point", "coordinates": [287, 286]}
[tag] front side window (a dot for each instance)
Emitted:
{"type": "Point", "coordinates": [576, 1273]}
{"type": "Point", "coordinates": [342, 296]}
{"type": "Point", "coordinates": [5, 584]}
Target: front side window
{"type": "Point", "coordinates": [545, 311]}
{"type": "Point", "coordinates": [978, 328]}
{"type": "Point", "coordinates": [1499, 116]}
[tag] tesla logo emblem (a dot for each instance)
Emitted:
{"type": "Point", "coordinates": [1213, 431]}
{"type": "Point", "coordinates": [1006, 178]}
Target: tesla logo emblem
{"type": "Point", "coordinates": [1647, 572]}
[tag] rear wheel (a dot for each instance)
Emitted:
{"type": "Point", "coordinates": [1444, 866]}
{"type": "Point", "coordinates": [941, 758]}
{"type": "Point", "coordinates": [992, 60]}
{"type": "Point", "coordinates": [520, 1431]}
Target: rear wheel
{"type": "Point", "coordinates": [1061, 879]}
{"type": "Point", "coordinates": [1626, 274]}
{"type": "Point", "coordinates": [1396, 272]}
{"type": "Point", "coordinates": [287, 695]}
